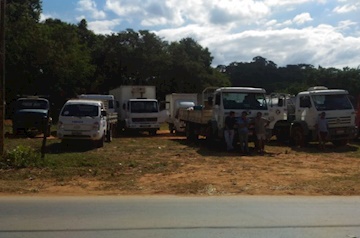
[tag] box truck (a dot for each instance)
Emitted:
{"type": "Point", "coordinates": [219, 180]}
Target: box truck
{"type": "Point", "coordinates": [137, 108]}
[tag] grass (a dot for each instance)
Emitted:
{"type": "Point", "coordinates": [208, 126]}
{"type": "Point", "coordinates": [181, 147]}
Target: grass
{"type": "Point", "coordinates": [124, 161]}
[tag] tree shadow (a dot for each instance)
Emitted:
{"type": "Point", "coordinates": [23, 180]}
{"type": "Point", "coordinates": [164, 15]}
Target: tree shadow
{"type": "Point", "coordinates": [74, 146]}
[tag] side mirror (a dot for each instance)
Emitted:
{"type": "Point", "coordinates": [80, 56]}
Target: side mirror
{"type": "Point", "coordinates": [103, 113]}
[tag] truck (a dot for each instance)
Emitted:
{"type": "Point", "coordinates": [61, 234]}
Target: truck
{"type": "Point", "coordinates": [174, 102]}
{"type": "Point", "coordinates": [208, 119]}
{"type": "Point", "coordinates": [137, 107]}
{"type": "Point", "coordinates": [111, 114]}
{"type": "Point", "coordinates": [294, 117]}
{"type": "Point", "coordinates": [83, 119]}
{"type": "Point", "coordinates": [31, 116]}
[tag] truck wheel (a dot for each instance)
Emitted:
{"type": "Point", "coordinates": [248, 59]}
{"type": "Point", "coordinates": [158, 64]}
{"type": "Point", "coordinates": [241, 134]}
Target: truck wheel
{"type": "Point", "coordinates": [298, 137]}
{"type": "Point", "coordinates": [171, 128]}
{"type": "Point", "coordinates": [153, 132]}
{"type": "Point", "coordinates": [210, 140]}
{"type": "Point", "coordinates": [340, 142]}
{"type": "Point", "coordinates": [100, 143]}
{"type": "Point", "coordinates": [190, 134]}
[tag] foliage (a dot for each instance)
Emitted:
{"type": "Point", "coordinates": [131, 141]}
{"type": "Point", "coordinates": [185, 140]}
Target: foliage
{"type": "Point", "coordinates": [22, 157]}
{"type": "Point", "coordinates": [63, 60]}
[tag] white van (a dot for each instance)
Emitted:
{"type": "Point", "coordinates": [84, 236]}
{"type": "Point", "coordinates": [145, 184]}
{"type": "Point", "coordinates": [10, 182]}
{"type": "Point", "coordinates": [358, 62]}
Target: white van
{"type": "Point", "coordinates": [83, 119]}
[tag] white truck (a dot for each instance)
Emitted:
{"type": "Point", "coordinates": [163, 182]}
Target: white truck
{"type": "Point", "coordinates": [209, 121]}
{"type": "Point", "coordinates": [294, 117]}
{"type": "Point", "coordinates": [111, 115]}
{"type": "Point", "coordinates": [83, 119]}
{"type": "Point", "coordinates": [137, 108]}
{"type": "Point", "coordinates": [174, 102]}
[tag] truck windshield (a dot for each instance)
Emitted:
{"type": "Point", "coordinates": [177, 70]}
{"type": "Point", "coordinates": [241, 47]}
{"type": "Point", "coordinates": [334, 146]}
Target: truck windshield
{"type": "Point", "coordinates": [331, 102]}
{"type": "Point", "coordinates": [32, 104]}
{"type": "Point", "coordinates": [244, 101]}
{"type": "Point", "coordinates": [80, 110]}
{"type": "Point", "coordinates": [144, 106]}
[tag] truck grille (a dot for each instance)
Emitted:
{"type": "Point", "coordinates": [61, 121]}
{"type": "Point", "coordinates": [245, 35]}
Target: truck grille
{"type": "Point", "coordinates": [339, 120]}
{"type": "Point", "coordinates": [152, 119]}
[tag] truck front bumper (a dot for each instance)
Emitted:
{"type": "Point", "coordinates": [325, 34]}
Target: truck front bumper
{"type": "Point", "coordinates": [79, 135]}
{"type": "Point", "coordinates": [343, 133]}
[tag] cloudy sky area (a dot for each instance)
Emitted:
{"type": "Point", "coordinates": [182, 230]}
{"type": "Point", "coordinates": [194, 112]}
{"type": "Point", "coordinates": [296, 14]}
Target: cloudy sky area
{"type": "Point", "coordinates": [319, 32]}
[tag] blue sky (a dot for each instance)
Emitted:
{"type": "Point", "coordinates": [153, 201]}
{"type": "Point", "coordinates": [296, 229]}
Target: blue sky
{"type": "Point", "coordinates": [319, 32]}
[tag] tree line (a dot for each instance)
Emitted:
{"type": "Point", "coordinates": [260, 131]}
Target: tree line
{"type": "Point", "coordinates": [62, 60]}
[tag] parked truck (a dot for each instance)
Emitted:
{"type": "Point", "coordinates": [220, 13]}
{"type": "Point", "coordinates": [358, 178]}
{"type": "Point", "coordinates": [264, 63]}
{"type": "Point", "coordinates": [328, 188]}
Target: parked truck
{"type": "Point", "coordinates": [83, 119]}
{"type": "Point", "coordinates": [31, 116]}
{"type": "Point", "coordinates": [137, 108]}
{"type": "Point", "coordinates": [175, 102]}
{"type": "Point", "coordinates": [208, 120]}
{"type": "Point", "coordinates": [294, 117]}
{"type": "Point", "coordinates": [111, 115]}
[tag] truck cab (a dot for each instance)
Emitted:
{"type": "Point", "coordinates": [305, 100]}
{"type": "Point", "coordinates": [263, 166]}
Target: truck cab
{"type": "Point", "coordinates": [299, 126]}
{"type": "Point", "coordinates": [141, 115]}
{"type": "Point", "coordinates": [237, 99]}
{"type": "Point", "coordinates": [31, 116]}
{"type": "Point", "coordinates": [83, 119]}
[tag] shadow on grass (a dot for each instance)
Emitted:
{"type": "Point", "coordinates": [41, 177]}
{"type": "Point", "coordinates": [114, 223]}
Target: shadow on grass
{"type": "Point", "coordinates": [313, 147]}
{"type": "Point", "coordinates": [74, 146]}
{"type": "Point", "coordinates": [218, 148]}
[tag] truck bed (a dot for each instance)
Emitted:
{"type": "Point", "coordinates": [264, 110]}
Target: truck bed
{"type": "Point", "coordinates": [196, 116]}
{"type": "Point", "coordinates": [112, 117]}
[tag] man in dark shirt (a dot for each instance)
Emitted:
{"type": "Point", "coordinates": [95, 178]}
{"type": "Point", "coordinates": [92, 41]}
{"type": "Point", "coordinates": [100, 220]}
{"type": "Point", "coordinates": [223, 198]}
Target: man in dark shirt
{"type": "Point", "coordinates": [229, 130]}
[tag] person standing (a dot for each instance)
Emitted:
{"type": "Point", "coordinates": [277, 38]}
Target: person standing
{"type": "Point", "coordinates": [322, 129]}
{"type": "Point", "coordinates": [260, 125]}
{"type": "Point", "coordinates": [229, 130]}
{"type": "Point", "coordinates": [243, 131]}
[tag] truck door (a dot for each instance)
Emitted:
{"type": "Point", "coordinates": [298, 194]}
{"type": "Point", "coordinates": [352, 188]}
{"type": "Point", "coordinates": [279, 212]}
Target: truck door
{"type": "Point", "coordinates": [305, 110]}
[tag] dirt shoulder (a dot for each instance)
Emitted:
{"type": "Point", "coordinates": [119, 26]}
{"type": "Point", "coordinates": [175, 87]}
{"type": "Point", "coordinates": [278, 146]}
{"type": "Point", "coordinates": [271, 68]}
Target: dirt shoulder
{"type": "Point", "coordinates": [168, 164]}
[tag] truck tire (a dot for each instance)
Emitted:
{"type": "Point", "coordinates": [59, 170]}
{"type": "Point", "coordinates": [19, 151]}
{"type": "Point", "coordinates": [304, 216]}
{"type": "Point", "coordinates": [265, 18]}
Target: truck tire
{"type": "Point", "coordinates": [100, 143]}
{"type": "Point", "coordinates": [171, 128]}
{"type": "Point", "coordinates": [298, 137]}
{"type": "Point", "coordinates": [152, 132]}
{"type": "Point", "coordinates": [190, 134]}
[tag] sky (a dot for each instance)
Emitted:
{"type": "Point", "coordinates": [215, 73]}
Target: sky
{"type": "Point", "coordinates": [322, 33]}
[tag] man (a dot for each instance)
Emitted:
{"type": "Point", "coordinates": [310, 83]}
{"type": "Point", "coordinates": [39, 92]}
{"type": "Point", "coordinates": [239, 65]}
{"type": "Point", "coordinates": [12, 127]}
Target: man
{"type": "Point", "coordinates": [229, 130]}
{"type": "Point", "coordinates": [322, 129]}
{"type": "Point", "coordinates": [243, 130]}
{"type": "Point", "coordinates": [260, 124]}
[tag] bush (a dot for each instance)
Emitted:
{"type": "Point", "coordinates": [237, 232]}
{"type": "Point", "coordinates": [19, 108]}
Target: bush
{"type": "Point", "coordinates": [22, 157]}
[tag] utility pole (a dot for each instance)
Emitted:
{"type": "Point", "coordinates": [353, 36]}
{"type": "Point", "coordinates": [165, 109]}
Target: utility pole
{"type": "Point", "coordinates": [2, 75]}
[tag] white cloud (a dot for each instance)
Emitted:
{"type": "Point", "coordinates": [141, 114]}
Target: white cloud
{"type": "Point", "coordinates": [90, 6]}
{"type": "Point", "coordinates": [103, 27]}
{"type": "Point", "coordinates": [302, 18]}
{"type": "Point", "coordinates": [43, 17]}
{"type": "Point", "coordinates": [238, 30]}
{"type": "Point", "coordinates": [346, 8]}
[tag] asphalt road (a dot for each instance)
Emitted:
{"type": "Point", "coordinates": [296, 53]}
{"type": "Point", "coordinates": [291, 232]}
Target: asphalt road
{"type": "Point", "coordinates": [168, 216]}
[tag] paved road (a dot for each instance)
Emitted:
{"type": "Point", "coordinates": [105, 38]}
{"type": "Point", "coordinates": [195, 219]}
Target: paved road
{"type": "Point", "coordinates": [167, 216]}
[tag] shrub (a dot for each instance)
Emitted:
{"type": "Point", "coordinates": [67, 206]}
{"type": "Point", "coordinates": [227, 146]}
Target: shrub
{"type": "Point", "coordinates": [22, 157]}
